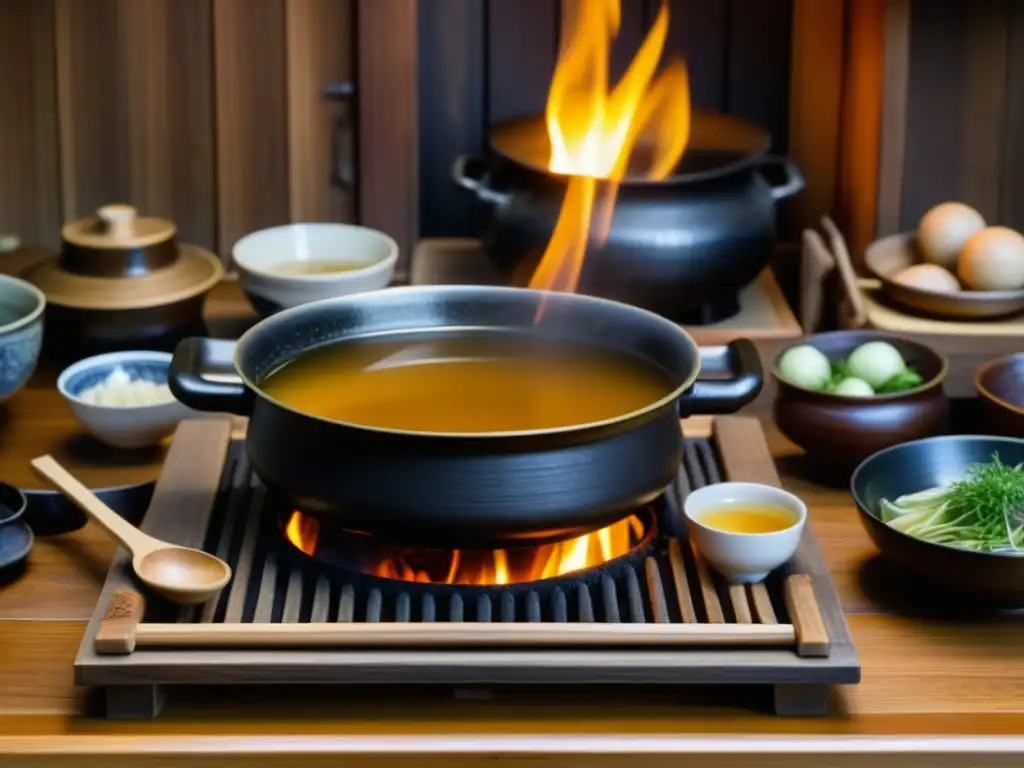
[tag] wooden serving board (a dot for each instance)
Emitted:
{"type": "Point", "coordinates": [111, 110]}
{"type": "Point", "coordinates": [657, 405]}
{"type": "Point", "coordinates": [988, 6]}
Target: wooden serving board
{"type": "Point", "coordinates": [764, 313]}
{"type": "Point", "coordinates": [278, 621]}
{"type": "Point", "coordinates": [965, 345]}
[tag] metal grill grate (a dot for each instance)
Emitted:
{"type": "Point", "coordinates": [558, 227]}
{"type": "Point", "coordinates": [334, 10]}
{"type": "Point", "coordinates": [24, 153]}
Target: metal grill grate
{"type": "Point", "coordinates": [657, 616]}
{"type": "Point", "coordinates": [666, 582]}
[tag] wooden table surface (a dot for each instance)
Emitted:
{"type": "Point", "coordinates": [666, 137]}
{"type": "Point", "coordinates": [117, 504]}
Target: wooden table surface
{"type": "Point", "coordinates": [952, 680]}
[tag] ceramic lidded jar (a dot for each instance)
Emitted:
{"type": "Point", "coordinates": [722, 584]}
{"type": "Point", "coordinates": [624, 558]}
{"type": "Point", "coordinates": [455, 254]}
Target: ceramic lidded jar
{"type": "Point", "coordinates": [117, 243]}
{"type": "Point", "coordinates": [121, 281]}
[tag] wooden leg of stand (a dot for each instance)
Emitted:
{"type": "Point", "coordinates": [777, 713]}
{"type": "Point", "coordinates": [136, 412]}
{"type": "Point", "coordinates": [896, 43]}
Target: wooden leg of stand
{"type": "Point", "coordinates": [791, 700]}
{"type": "Point", "coordinates": [134, 702]}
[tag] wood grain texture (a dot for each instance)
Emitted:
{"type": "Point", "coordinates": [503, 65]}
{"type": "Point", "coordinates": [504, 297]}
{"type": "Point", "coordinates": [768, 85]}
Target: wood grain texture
{"type": "Point", "coordinates": [135, 109]}
{"type": "Point", "coordinates": [168, 89]}
{"type": "Point", "coordinates": [206, 112]}
{"type": "Point", "coordinates": [1011, 199]}
{"type": "Point", "coordinates": [251, 117]}
{"type": "Point", "coordinates": [30, 203]}
{"type": "Point", "coordinates": [318, 53]}
{"type": "Point", "coordinates": [815, 103]}
{"type": "Point", "coordinates": [930, 669]}
{"type": "Point", "coordinates": [984, 104]}
{"type": "Point", "coordinates": [387, 32]}
{"type": "Point", "coordinates": [868, 186]}
{"type": "Point", "coordinates": [936, 99]}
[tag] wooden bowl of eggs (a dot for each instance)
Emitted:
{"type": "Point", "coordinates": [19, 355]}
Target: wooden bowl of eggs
{"type": "Point", "coordinates": [953, 266]}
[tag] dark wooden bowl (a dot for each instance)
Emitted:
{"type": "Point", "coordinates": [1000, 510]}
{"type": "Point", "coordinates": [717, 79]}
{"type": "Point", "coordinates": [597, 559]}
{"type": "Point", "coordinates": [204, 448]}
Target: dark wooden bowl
{"type": "Point", "coordinates": [1000, 383]}
{"type": "Point", "coordinates": [837, 432]}
{"type": "Point", "coordinates": [886, 257]}
{"type": "Point", "coordinates": [995, 579]}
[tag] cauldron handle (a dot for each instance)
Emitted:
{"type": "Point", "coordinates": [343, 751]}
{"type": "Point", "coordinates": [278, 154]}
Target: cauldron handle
{"type": "Point", "coordinates": [196, 358]}
{"type": "Point", "coordinates": [794, 179]}
{"type": "Point", "coordinates": [476, 183]}
{"type": "Point", "coordinates": [740, 361]}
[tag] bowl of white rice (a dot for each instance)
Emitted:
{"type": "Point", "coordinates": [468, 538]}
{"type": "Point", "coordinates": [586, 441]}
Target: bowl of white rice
{"type": "Point", "coordinates": [122, 398]}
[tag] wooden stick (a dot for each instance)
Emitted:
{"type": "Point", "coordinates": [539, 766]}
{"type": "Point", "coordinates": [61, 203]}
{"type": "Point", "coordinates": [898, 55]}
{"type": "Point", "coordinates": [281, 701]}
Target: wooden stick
{"type": "Point", "coordinates": [811, 635]}
{"type": "Point", "coordinates": [121, 632]}
{"type": "Point", "coordinates": [406, 635]}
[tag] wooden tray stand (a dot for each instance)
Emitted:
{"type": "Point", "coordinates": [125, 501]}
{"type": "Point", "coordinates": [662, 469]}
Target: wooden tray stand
{"type": "Point", "coordinates": [792, 635]}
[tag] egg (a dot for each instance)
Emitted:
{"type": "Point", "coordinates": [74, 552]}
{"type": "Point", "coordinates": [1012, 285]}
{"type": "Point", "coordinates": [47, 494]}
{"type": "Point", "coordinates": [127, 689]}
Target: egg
{"type": "Point", "coordinates": [993, 260]}
{"type": "Point", "coordinates": [944, 230]}
{"type": "Point", "coordinates": [927, 277]}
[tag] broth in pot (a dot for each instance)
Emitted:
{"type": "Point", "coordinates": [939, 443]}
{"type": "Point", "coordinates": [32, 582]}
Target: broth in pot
{"type": "Point", "coordinates": [473, 383]}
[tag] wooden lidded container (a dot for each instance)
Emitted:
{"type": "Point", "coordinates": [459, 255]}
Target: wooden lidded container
{"type": "Point", "coordinates": [121, 280]}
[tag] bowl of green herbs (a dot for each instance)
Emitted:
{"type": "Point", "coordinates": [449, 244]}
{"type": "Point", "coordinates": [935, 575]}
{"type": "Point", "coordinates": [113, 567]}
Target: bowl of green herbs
{"type": "Point", "coordinates": [951, 510]}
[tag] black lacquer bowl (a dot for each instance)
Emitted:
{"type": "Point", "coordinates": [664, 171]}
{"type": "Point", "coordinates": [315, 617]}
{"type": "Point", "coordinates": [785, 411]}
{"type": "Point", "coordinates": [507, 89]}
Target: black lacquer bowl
{"type": "Point", "coordinates": [995, 579]}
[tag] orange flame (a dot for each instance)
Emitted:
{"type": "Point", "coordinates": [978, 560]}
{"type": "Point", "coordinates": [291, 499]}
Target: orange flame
{"type": "Point", "coordinates": [593, 130]}
{"type": "Point", "coordinates": [486, 567]}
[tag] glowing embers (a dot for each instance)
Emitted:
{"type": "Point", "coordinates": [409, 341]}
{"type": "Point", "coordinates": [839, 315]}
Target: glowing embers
{"type": "Point", "coordinates": [481, 567]}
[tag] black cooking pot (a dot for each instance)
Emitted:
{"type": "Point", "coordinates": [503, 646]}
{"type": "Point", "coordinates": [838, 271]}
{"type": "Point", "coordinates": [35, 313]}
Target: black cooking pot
{"type": "Point", "coordinates": [479, 490]}
{"type": "Point", "coordinates": [676, 246]}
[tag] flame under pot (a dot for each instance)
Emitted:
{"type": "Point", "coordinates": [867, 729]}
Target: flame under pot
{"type": "Point", "coordinates": [673, 246]}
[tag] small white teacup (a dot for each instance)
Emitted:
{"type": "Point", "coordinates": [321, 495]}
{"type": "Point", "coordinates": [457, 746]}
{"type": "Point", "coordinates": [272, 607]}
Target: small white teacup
{"type": "Point", "coordinates": [743, 558]}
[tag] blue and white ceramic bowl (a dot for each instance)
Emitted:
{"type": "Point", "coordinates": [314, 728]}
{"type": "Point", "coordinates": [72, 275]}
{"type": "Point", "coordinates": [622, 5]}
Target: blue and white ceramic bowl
{"type": "Point", "coordinates": [21, 332]}
{"type": "Point", "coordinates": [131, 426]}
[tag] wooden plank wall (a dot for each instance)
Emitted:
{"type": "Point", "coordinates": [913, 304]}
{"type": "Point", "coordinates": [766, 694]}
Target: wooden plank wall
{"type": "Point", "coordinates": [955, 126]}
{"type": "Point", "coordinates": [208, 112]}
{"type": "Point", "coordinates": [738, 52]}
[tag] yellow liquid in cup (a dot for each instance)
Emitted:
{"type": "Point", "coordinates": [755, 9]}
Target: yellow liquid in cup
{"type": "Point", "coordinates": [748, 518]}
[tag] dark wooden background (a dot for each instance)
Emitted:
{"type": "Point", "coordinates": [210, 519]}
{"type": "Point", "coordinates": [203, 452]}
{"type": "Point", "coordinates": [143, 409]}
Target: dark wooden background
{"type": "Point", "coordinates": [954, 122]}
{"type": "Point", "coordinates": [210, 112]}
{"type": "Point", "coordinates": [483, 61]}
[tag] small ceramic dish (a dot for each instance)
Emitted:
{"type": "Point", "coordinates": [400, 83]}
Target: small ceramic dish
{"type": "Point", "coordinates": [744, 558]}
{"type": "Point", "coordinates": [886, 257]}
{"type": "Point", "coordinates": [133, 426]}
{"type": "Point", "coordinates": [49, 512]}
{"type": "Point", "coordinates": [22, 307]}
{"type": "Point", "coordinates": [1000, 386]}
{"type": "Point", "coordinates": [294, 264]}
{"type": "Point", "coordinates": [16, 540]}
{"type": "Point", "coordinates": [837, 432]}
{"type": "Point", "coordinates": [983, 577]}
{"type": "Point", "coordinates": [12, 503]}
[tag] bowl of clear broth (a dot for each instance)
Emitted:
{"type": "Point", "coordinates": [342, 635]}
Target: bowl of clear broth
{"type": "Point", "coordinates": [294, 264]}
{"type": "Point", "coordinates": [745, 530]}
{"type": "Point", "coordinates": [465, 416]}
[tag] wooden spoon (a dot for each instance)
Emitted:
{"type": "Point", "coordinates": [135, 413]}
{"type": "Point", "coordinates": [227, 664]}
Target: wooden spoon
{"type": "Point", "coordinates": [181, 574]}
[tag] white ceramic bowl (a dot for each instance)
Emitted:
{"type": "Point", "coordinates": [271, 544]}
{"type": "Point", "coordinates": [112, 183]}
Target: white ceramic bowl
{"type": "Point", "coordinates": [743, 557]}
{"type": "Point", "coordinates": [122, 426]}
{"type": "Point", "coordinates": [258, 255]}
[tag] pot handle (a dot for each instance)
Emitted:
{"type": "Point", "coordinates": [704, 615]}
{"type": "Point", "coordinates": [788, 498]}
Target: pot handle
{"type": "Point", "coordinates": [794, 179]}
{"type": "Point", "coordinates": [463, 175]}
{"type": "Point", "coordinates": [740, 362]}
{"type": "Point", "coordinates": [195, 359]}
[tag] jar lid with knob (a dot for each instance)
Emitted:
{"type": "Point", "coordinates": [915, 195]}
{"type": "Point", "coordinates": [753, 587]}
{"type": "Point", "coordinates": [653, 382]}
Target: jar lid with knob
{"type": "Point", "coordinates": [116, 242]}
{"type": "Point", "coordinates": [117, 260]}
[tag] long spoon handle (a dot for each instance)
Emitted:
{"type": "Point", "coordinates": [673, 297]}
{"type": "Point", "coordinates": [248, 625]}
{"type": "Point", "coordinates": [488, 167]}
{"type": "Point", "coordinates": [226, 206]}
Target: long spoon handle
{"type": "Point", "coordinates": [130, 537]}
